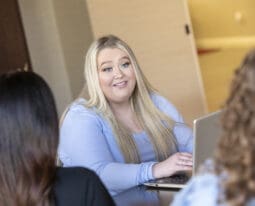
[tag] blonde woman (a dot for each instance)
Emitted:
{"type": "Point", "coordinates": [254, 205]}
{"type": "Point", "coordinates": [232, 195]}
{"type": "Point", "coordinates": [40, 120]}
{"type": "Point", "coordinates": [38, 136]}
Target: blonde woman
{"type": "Point", "coordinates": [125, 131]}
{"type": "Point", "coordinates": [230, 178]}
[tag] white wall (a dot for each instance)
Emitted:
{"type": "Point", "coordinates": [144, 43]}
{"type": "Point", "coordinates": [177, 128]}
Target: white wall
{"type": "Point", "coordinates": [58, 35]}
{"type": "Point", "coordinates": [45, 48]}
{"type": "Point", "coordinates": [75, 35]}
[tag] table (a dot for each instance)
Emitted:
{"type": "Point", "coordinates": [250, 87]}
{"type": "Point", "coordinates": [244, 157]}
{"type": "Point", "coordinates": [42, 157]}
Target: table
{"type": "Point", "coordinates": [144, 196]}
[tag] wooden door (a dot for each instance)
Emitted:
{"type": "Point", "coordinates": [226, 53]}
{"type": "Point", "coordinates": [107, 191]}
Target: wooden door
{"type": "Point", "coordinates": [13, 48]}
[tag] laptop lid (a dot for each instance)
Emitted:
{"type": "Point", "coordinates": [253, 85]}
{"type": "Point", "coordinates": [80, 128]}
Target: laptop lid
{"type": "Point", "coordinates": [207, 130]}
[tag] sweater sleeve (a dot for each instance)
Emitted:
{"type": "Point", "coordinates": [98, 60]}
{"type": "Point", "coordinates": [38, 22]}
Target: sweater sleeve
{"type": "Point", "coordinates": [83, 143]}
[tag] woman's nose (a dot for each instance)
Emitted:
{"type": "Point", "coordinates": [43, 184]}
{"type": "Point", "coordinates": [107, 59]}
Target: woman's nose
{"type": "Point", "coordinates": [118, 73]}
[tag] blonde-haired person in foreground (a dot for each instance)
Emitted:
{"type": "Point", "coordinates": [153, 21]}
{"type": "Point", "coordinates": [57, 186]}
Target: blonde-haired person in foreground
{"type": "Point", "coordinates": [230, 178]}
{"type": "Point", "coordinates": [126, 132]}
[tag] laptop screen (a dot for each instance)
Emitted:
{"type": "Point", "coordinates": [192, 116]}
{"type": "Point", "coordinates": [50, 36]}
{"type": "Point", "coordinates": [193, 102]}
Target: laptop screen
{"type": "Point", "coordinates": [207, 130]}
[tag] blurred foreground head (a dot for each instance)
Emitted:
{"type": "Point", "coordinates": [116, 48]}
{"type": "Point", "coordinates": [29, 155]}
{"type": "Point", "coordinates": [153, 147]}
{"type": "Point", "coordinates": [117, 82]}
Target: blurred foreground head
{"type": "Point", "coordinates": [236, 150]}
{"type": "Point", "coordinates": [28, 139]}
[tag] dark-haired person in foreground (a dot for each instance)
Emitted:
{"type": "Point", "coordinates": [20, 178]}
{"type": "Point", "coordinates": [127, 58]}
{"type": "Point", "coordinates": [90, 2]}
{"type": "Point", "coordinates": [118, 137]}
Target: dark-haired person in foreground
{"type": "Point", "coordinates": [29, 136]}
{"type": "Point", "coordinates": [229, 180]}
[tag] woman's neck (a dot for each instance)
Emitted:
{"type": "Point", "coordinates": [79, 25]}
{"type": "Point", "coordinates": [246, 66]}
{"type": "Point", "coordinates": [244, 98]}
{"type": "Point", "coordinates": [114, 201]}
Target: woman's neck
{"type": "Point", "coordinates": [125, 114]}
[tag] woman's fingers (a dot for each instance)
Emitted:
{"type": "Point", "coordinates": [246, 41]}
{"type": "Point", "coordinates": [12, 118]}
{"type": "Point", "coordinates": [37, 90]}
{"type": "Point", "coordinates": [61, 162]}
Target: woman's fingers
{"type": "Point", "coordinates": [184, 160]}
{"type": "Point", "coordinates": [184, 167]}
{"type": "Point", "coordinates": [184, 155]}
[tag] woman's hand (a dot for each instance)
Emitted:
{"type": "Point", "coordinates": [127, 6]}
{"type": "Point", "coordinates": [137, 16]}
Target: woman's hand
{"type": "Point", "coordinates": [180, 161]}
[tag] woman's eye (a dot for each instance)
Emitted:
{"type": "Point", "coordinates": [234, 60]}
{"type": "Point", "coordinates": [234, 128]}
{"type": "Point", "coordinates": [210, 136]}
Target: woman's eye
{"type": "Point", "coordinates": [125, 65]}
{"type": "Point", "coordinates": [107, 69]}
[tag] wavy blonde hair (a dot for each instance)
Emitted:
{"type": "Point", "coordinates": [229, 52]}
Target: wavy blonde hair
{"type": "Point", "coordinates": [149, 117]}
{"type": "Point", "coordinates": [236, 150]}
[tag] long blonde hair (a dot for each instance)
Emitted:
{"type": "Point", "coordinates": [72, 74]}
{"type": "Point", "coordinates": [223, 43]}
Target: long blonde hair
{"type": "Point", "coordinates": [156, 124]}
{"type": "Point", "coordinates": [236, 151]}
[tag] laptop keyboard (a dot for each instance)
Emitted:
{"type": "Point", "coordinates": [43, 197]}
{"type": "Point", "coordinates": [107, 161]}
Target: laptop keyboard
{"type": "Point", "coordinates": [174, 179]}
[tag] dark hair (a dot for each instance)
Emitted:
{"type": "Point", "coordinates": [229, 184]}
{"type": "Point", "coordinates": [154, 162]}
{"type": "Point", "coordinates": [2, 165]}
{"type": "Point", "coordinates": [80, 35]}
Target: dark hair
{"type": "Point", "coordinates": [28, 140]}
{"type": "Point", "coordinates": [236, 151]}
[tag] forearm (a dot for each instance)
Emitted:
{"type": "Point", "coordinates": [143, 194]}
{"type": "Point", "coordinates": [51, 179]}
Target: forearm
{"type": "Point", "coordinates": [120, 176]}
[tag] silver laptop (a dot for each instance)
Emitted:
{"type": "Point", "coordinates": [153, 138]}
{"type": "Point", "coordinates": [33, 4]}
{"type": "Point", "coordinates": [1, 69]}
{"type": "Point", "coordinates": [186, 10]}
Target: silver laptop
{"type": "Point", "coordinates": [206, 132]}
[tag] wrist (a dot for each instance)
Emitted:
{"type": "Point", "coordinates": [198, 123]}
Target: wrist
{"type": "Point", "coordinates": [156, 171]}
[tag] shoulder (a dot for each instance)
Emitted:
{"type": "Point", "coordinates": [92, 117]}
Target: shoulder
{"type": "Point", "coordinates": [74, 172]}
{"type": "Point", "coordinates": [71, 185]}
{"type": "Point", "coordinates": [78, 113]}
{"type": "Point", "coordinates": [201, 190]}
{"type": "Point", "coordinates": [159, 99]}
{"type": "Point", "coordinates": [204, 179]}
{"type": "Point", "coordinates": [166, 106]}
{"type": "Point", "coordinates": [74, 176]}
{"type": "Point", "coordinates": [79, 186]}
{"type": "Point", "coordinates": [79, 107]}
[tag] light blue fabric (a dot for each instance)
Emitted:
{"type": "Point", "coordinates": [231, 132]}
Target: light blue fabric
{"type": "Point", "coordinates": [86, 139]}
{"type": "Point", "coordinates": [204, 189]}
{"type": "Point", "coordinates": [200, 191]}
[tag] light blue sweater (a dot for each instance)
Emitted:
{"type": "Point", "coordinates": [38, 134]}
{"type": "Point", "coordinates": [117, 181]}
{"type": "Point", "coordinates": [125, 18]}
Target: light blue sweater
{"type": "Point", "coordinates": [86, 139]}
{"type": "Point", "coordinates": [204, 189]}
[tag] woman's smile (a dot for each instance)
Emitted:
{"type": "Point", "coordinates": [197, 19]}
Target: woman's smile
{"type": "Point", "coordinates": [121, 84]}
